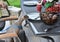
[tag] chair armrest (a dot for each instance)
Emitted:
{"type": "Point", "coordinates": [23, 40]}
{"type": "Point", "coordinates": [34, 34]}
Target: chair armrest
{"type": "Point", "coordinates": [9, 18]}
{"type": "Point", "coordinates": [8, 35]}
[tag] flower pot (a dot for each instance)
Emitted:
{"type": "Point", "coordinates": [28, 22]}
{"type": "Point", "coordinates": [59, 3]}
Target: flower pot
{"type": "Point", "coordinates": [49, 18]}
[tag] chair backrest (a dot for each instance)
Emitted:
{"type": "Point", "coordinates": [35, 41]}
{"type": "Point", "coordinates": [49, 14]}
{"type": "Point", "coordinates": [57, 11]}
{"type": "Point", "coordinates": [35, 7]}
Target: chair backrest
{"type": "Point", "coordinates": [27, 9]}
{"type": "Point", "coordinates": [2, 23]}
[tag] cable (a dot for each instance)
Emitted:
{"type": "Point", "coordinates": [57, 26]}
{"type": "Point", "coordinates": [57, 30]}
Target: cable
{"type": "Point", "coordinates": [49, 38]}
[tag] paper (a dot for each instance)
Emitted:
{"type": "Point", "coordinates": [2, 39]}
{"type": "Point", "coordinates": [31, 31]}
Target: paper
{"type": "Point", "coordinates": [33, 16]}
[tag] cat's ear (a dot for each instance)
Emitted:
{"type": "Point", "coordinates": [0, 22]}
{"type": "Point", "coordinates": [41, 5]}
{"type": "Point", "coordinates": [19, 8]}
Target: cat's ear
{"type": "Point", "coordinates": [26, 17]}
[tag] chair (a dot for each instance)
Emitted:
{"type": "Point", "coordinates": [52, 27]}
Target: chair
{"type": "Point", "coordinates": [9, 36]}
{"type": "Point", "coordinates": [29, 10]}
{"type": "Point", "coordinates": [5, 25]}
